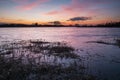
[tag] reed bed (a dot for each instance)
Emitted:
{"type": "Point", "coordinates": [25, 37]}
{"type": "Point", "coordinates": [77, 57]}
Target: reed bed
{"type": "Point", "coordinates": [41, 60]}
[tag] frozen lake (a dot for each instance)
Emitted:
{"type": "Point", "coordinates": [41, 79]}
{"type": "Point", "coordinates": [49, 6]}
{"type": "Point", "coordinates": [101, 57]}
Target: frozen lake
{"type": "Point", "coordinates": [102, 60]}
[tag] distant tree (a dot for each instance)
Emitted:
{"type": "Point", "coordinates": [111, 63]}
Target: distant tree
{"type": "Point", "coordinates": [36, 24]}
{"type": "Point", "coordinates": [56, 23]}
{"type": "Point", "coordinates": [77, 25]}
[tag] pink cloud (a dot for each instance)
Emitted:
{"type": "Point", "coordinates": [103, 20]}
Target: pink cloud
{"type": "Point", "coordinates": [20, 1]}
{"type": "Point", "coordinates": [72, 8]}
{"type": "Point", "coordinates": [77, 7]}
{"type": "Point", "coordinates": [52, 13]}
{"type": "Point", "coordinates": [27, 5]}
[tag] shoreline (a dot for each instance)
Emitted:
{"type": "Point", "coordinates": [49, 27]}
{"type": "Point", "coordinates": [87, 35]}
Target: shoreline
{"type": "Point", "coordinates": [56, 27]}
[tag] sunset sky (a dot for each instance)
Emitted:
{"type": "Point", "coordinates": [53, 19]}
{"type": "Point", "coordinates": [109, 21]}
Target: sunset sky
{"type": "Point", "coordinates": [65, 11]}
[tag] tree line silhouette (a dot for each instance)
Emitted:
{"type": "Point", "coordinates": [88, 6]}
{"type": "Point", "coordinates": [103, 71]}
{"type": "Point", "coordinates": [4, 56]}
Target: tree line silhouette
{"type": "Point", "coordinates": [110, 24]}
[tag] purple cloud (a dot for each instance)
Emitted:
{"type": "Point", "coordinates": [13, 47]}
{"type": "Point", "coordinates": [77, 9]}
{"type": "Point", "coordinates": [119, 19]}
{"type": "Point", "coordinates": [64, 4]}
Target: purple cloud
{"type": "Point", "coordinates": [79, 19]}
